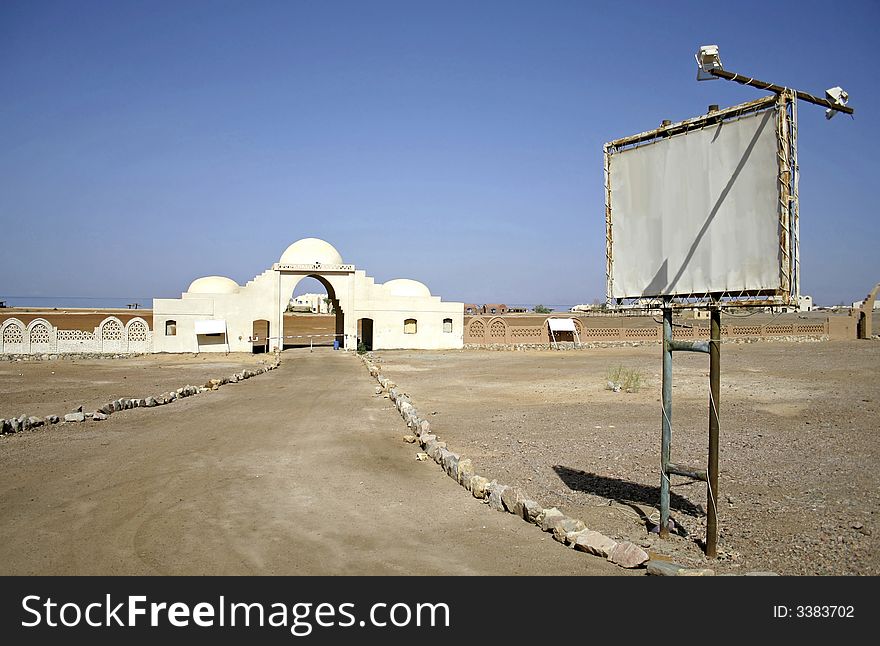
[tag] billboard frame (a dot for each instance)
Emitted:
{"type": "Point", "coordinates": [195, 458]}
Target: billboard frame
{"type": "Point", "coordinates": [785, 106]}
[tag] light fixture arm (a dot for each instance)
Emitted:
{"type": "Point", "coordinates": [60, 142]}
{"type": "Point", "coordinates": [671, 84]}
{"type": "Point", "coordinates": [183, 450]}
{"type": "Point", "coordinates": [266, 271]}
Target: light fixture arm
{"type": "Point", "coordinates": [763, 85]}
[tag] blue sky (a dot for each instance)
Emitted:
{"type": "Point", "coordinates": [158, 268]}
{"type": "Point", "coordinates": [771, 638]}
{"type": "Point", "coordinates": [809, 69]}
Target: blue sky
{"type": "Point", "coordinates": [144, 144]}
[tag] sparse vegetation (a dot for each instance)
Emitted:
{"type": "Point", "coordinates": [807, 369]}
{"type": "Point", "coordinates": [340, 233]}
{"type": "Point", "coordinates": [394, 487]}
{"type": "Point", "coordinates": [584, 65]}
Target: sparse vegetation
{"type": "Point", "coordinates": [626, 379]}
{"type": "Point", "coordinates": [540, 309]}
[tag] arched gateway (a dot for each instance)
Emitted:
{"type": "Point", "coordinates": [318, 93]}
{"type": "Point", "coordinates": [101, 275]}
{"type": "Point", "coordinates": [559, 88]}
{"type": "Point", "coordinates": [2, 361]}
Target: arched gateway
{"type": "Point", "coordinates": [216, 314]}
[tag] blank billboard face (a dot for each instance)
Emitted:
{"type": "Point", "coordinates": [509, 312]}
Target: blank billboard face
{"type": "Point", "coordinates": [697, 213]}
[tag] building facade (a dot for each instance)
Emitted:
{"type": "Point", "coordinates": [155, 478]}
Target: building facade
{"type": "Point", "coordinates": [216, 314]}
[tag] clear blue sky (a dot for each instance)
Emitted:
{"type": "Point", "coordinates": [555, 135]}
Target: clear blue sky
{"type": "Point", "coordinates": [144, 144]}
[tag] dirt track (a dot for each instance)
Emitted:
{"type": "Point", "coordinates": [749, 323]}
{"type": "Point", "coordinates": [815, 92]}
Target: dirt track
{"type": "Point", "coordinates": [299, 471]}
{"type": "Point", "coordinates": [800, 489]}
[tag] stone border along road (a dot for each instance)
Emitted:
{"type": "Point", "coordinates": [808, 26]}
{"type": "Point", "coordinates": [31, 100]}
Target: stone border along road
{"type": "Point", "coordinates": [25, 422]}
{"type": "Point", "coordinates": [569, 345]}
{"type": "Point", "coordinates": [568, 531]}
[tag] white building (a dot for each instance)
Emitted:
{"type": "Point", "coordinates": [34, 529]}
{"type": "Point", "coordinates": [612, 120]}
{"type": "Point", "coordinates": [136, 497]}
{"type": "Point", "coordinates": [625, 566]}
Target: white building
{"type": "Point", "coordinates": [805, 303]}
{"type": "Point", "coordinates": [216, 314]}
{"type": "Point", "coordinates": [314, 303]}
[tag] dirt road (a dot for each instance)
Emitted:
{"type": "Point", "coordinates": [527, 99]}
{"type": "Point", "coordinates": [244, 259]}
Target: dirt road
{"type": "Point", "coordinates": [299, 471]}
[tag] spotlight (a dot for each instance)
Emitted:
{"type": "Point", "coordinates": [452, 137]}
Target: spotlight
{"type": "Point", "coordinates": [707, 59]}
{"type": "Point", "coordinates": [838, 96]}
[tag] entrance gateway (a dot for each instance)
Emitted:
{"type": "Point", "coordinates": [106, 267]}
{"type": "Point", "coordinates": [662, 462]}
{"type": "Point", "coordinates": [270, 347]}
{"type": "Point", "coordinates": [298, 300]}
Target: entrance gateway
{"type": "Point", "coordinates": [397, 314]}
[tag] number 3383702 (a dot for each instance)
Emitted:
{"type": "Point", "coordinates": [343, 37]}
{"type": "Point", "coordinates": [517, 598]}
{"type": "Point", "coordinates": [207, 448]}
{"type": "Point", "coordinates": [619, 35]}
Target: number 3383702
{"type": "Point", "coordinates": [824, 611]}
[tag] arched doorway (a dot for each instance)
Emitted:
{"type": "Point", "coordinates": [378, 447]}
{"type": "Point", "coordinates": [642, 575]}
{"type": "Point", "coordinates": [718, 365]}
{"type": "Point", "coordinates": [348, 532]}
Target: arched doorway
{"type": "Point", "coordinates": [318, 320]}
{"type": "Point", "coordinates": [365, 334]}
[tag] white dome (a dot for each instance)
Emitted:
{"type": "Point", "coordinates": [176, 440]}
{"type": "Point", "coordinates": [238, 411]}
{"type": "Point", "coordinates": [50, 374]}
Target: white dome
{"type": "Point", "coordinates": [308, 251]}
{"type": "Point", "coordinates": [407, 287]}
{"type": "Point", "coordinates": [213, 285]}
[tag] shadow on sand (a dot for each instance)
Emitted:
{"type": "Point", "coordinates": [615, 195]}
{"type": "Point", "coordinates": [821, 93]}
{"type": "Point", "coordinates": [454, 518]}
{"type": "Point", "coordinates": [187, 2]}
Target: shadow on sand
{"type": "Point", "coordinates": [623, 491]}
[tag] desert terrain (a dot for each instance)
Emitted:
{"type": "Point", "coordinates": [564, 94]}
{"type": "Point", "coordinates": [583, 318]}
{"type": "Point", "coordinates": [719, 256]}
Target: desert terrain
{"type": "Point", "coordinates": [799, 444]}
{"type": "Point", "coordinates": [303, 470]}
{"type": "Point", "coordinates": [297, 471]}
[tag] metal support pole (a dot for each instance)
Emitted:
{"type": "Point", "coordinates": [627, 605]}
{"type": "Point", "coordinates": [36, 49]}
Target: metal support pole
{"type": "Point", "coordinates": [714, 404]}
{"type": "Point", "coordinates": [666, 439]}
{"type": "Point", "coordinates": [778, 89]}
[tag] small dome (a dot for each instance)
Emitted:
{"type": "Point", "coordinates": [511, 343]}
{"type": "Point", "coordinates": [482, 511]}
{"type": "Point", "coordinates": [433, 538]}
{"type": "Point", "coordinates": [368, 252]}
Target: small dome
{"type": "Point", "coordinates": [308, 251]}
{"type": "Point", "coordinates": [213, 285]}
{"type": "Point", "coordinates": [407, 287]}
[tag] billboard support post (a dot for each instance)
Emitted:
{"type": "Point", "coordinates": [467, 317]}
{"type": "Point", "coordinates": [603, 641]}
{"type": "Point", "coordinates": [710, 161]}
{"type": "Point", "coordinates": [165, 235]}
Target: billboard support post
{"type": "Point", "coordinates": [714, 404]}
{"type": "Point", "coordinates": [666, 427]}
{"type": "Point", "coordinates": [668, 468]}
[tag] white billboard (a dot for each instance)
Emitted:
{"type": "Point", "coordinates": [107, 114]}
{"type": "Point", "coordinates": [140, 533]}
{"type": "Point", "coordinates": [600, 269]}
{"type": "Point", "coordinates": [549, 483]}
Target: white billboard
{"type": "Point", "coordinates": [696, 209]}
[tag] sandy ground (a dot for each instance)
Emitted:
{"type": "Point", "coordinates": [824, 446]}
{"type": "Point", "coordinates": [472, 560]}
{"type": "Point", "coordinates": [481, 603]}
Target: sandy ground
{"type": "Point", "coordinates": [56, 387]}
{"type": "Point", "coordinates": [298, 471]}
{"type": "Point", "coordinates": [800, 490]}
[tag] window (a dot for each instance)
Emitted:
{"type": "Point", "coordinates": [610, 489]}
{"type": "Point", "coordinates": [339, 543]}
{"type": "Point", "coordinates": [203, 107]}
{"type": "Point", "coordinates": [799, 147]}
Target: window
{"type": "Point", "coordinates": [494, 311]}
{"type": "Point", "coordinates": [469, 310]}
{"type": "Point", "coordinates": [170, 328]}
{"type": "Point", "coordinates": [410, 326]}
{"type": "Point", "coordinates": [447, 325]}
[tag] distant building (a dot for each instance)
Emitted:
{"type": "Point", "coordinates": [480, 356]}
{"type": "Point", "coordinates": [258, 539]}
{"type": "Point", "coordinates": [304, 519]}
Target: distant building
{"type": "Point", "coordinates": [472, 309]}
{"type": "Point", "coordinates": [314, 303]}
{"type": "Point", "coordinates": [805, 303]}
{"type": "Point", "coordinates": [584, 307]}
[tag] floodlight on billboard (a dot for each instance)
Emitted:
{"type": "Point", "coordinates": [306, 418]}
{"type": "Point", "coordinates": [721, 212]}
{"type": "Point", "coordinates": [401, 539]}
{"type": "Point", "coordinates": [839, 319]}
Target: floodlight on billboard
{"type": "Point", "coordinates": [708, 59]}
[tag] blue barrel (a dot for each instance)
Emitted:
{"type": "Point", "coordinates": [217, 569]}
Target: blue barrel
{"type": "Point", "coordinates": [335, 344]}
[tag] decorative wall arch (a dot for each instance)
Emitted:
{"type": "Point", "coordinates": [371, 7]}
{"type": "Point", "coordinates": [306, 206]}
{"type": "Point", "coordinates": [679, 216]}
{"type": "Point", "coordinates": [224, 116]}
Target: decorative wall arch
{"type": "Point", "coordinates": [111, 335]}
{"type": "Point", "coordinates": [137, 329]}
{"type": "Point", "coordinates": [498, 330]}
{"type": "Point", "coordinates": [477, 329]}
{"type": "Point", "coordinates": [111, 328]}
{"type": "Point", "coordinates": [41, 336]}
{"type": "Point", "coordinates": [137, 335]}
{"type": "Point", "coordinates": [12, 335]}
